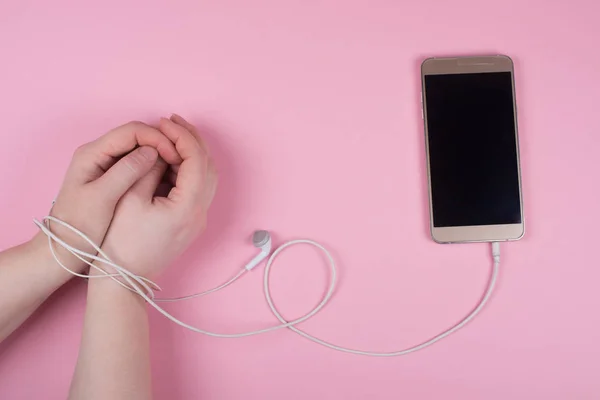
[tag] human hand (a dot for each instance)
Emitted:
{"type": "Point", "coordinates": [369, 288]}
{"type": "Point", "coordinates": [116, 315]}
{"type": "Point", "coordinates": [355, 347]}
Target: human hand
{"type": "Point", "coordinates": [100, 173]}
{"type": "Point", "coordinates": [151, 225]}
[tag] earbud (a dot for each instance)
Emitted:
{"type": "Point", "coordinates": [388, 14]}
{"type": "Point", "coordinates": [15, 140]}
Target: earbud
{"type": "Point", "coordinates": [262, 241]}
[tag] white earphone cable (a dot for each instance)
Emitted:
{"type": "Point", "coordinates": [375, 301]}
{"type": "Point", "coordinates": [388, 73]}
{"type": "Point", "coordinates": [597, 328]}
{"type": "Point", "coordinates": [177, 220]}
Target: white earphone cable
{"type": "Point", "coordinates": [143, 287]}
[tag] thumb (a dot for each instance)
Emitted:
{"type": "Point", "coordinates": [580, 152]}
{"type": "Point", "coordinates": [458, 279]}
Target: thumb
{"type": "Point", "coordinates": [128, 170]}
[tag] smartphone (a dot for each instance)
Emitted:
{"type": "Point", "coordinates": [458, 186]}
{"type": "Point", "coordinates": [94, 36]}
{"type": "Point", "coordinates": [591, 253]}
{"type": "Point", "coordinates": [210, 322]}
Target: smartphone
{"type": "Point", "coordinates": [472, 147]}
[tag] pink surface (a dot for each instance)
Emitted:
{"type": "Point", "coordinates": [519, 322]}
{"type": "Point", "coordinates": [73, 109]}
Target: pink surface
{"type": "Point", "coordinates": [312, 109]}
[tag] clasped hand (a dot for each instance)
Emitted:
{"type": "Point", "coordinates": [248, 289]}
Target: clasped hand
{"type": "Point", "coordinates": [142, 192]}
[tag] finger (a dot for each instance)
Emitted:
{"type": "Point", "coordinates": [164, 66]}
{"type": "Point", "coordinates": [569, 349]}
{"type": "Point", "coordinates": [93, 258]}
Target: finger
{"type": "Point", "coordinates": [92, 159]}
{"type": "Point", "coordinates": [179, 120]}
{"type": "Point", "coordinates": [147, 185]}
{"type": "Point", "coordinates": [212, 176]}
{"type": "Point", "coordinates": [192, 171]}
{"type": "Point", "coordinates": [125, 138]}
{"type": "Point", "coordinates": [126, 172]}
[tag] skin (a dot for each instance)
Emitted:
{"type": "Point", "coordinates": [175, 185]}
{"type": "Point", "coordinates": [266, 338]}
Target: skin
{"type": "Point", "coordinates": [143, 193]}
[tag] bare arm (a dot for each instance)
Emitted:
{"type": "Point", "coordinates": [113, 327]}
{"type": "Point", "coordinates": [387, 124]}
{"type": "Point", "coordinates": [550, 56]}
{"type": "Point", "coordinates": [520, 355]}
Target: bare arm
{"type": "Point", "coordinates": [28, 276]}
{"type": "Point", "coordinates": [114, 360]}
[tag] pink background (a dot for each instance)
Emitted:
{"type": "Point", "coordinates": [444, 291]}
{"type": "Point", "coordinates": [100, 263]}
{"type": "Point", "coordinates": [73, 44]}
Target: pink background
{"type": "Point", "coordinates": [312, 109]}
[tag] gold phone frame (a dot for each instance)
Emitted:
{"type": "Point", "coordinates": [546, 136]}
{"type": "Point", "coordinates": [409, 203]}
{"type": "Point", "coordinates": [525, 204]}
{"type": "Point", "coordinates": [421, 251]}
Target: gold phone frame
{"type": "Point", "coordinates": [465, 65]}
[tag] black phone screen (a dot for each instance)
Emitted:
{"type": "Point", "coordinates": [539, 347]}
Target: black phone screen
{"type": "Point", "coordinates": [473, 162]}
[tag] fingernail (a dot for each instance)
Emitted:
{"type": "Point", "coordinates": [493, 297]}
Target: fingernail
{"type": "Point", "coordinates": [177, 116]}
{"type": "Point", "coordinates": [149, 153]}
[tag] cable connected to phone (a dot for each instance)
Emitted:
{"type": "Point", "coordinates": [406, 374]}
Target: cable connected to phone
{"type": "Point", "coordinates": [145, 288]}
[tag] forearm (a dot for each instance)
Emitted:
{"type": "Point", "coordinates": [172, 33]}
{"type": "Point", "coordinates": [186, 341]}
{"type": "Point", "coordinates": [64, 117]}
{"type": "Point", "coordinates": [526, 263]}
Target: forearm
{"type": "Point", "coordinates": [28, 276]}
{"type": "Point", "coordinates": [114, 357]}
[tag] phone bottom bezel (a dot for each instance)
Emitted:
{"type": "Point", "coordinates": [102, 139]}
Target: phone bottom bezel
{"type": "Point", "coordinates": [480, 233]}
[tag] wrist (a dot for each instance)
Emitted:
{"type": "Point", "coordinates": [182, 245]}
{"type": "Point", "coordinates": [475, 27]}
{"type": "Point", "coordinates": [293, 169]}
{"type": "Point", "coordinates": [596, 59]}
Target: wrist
{"type": "Point", "coordinates": [133, 257]}
{"type": "Point", "coordinates": [42, 272]}
{"type": "Point", "coordinates": [107, 288]}
{"type": "Point", "coordinates": [41, 245]}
